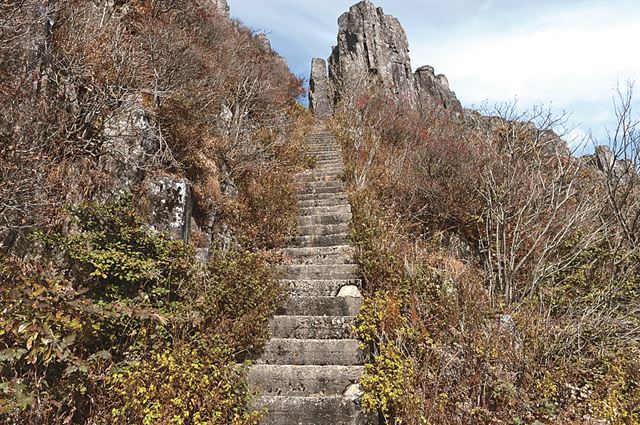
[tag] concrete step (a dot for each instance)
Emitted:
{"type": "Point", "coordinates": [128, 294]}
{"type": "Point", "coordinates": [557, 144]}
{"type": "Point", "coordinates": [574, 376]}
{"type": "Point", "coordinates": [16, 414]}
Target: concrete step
{"type": "Point", "coordinates": [324, 201]}
{"type": "Point", "coordinates": [322, 272]}
{"type": "Point", "coordinates": [324, 162]}
{"type": "Point", "coordinates": [323, 155]}
{"type": "Point", "coordinates": [312, 327]}
{"type": "Point", "coordinates": [323, 194]}
{"type": "Point", "coordinates": [321, 240]}
{"type": "Point", "coordinates": [321, 306]}
{"type": "Point", "coordinates": [323, 229]}
{"type": "Point", "coordinates": [285, 410]}
{"type": "Point", "coordinates": [314, 175]}
{"type": "Point", "coordinates": [317, 288]}
{"type": "Point", "coordinates": [317, 184]}
{"type": "Point", "coordinates": [329, 187]}
{"type": "Point", "coordinates": [324, 219]}
{"type": "Point", "coordinates": [337, 209]}
{"type": "Point", "coordinates": [329, 167]}
{"type": "Point", "coordinates": [342, 254]}
{"type": "Point", "coordinates": [291, 380]}
{"type": "Point", "coordinates": [291, 351]}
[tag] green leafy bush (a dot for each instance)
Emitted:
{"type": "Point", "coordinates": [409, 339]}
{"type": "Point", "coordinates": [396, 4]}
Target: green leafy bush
{"type": "Point", "coordinates": [114, 307]}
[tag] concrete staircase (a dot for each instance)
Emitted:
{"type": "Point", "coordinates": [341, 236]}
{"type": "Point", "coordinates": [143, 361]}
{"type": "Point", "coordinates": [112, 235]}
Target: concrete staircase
{"type": "Point", "coordinates": [309, 370]}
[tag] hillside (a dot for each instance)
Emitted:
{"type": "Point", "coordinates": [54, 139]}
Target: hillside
{"type": "Point", "coordinates": [181, 242]}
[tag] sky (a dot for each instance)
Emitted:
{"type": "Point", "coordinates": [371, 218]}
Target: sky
{"type": "Point", "coordinates": [566, 55]}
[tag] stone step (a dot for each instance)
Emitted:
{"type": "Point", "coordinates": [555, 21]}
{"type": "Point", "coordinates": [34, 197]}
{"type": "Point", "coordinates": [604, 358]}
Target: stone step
{"type": "Point", "coordinates": [312, 327]}
{"type": "Point", "coordinates": [303, 380]}
{"type": "Point", "coordinates": [321, 240]}
{"type": "Point", "coordinates": [337, 209]}
{"type": "Point", "coordinates": [328, 167]}
{"type": "Point", "coordinates": [322, 183]}
{"type": "Point", "coordinates": [323, 229]}
{"type": "Point", "coordinates": [291, 351]}
{"type": "Point", "coordinates": [313, 196]}
{"type": "Point", "coordinates": [313, 176]}
{"type": "Point", "coordinates": [335, 410]}
{"type": "Point", "coordinates": [342, 254]}
{"type": "Point", "coordinates": [329, 189]}
{"type": "Point", "coordinates": [324, 219]}
{"type": "Point", "coordinates": [326, 201]}
{"type": "Point", "coordinates": [317, 288]}
{"type": "Point", "coordinates": [324, 155]}
{"type": "Point", "coordinates": [322, 272]}
{"type": "Point", "coordinates": [321, 306]}
{"type": "Point", "coordinates": [325, 162]}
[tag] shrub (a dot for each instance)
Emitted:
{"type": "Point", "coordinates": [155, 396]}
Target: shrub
{"type": "Point", "coordinates": [115, 297]}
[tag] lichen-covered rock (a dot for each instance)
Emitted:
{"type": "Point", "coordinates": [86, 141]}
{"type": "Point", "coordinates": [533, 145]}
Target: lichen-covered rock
{"type": "Point", "coordinates": [130, 141]}
{"type": "Point", "coordinates": [170, 203]}
{"type": "Point", "coordinates": [319, 93]}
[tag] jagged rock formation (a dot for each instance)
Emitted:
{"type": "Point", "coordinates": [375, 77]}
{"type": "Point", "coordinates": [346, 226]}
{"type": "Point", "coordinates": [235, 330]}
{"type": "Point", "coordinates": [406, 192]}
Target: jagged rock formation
{"type": "Point", "coordinates": [319, 94]}
{"type": "Point", "coordinates": [220, 6]}
{"type": "Point", "coordinates": [309, 370]}
{"type": "Point", "coordinates": [373, 45]}
{"type": "Point", "coordinates": [434, 89]}
{"type": "Point", "coordinates": [370, 42]}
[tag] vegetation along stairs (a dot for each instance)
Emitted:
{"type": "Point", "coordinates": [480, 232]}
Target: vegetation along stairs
{"type": "Point", "coordinates": [309, 370]}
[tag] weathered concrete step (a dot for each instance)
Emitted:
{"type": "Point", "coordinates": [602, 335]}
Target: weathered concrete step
{"type": "Point", "coordinates": [314, 196]}
{"type": "Point", "coordinates": [335, 410]}
{"type": "Point", "coordinates": [323, 229]}
{"type": "Point", "coordinates": [342, 254]}
{"type": "Point", "coordinates": [324, 219]}
{"type": "Point", "coordinates": [321, 240]}
{"type": "Point", "coordinates": [303, 380]}
{"type": "Point", "coordinates": [314, 175]}
{"type": "Point", "coordinates": [322, 272]}
{"type": "Point", "coordinates": [322, 183]}
{"type": "Point", "coordinates": [321, 306]}
{"type": "Point", "coordinates": [317, 288]}
{"type": "Point", "coordinates": [328, 162]}
{"type": "Point", "coordinates": [324, 155]}
{"type": "Point", "coordinates": [331, 190]}
{"type": "Point", "coordinates": [337, 209]}
{"type": "Point", "coordinates": [291, 351]}
{"type": "Point", "coordinates": [326, 201]}
{"type": "Point", "coordinates": [312, 327]}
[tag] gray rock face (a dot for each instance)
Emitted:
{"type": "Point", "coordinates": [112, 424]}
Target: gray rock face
{"type": "Point", "coordinates": [319, 93]}
{"type": "Point", "coordinates": [219, 6]}
{"type": "Point", "coordinates": [373, 48]}
{"type": "Point", "coordinates": [130, 141]}
{"type": "Point", "coordinates": [370, 43]}
{"type": "Point", "coordinates": [171, 205]}
{"type": "Point", "coordinates": [433, 89]}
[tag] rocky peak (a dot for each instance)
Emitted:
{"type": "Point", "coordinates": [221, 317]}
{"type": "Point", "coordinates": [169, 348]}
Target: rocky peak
{"type": "Point", "coordinates": [372, 44]}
